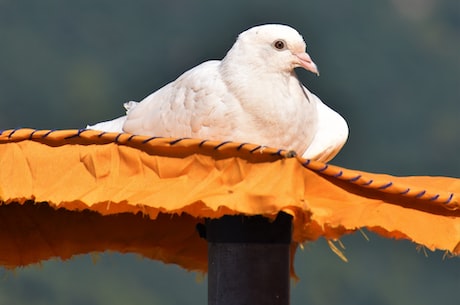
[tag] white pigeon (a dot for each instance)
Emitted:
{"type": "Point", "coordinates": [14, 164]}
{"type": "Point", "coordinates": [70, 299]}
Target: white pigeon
{"type": "Point", "coordinates": [252, 95]}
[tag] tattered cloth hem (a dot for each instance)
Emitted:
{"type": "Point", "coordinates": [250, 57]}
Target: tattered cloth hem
{"type": "Point", "coordinates": [166, 186]}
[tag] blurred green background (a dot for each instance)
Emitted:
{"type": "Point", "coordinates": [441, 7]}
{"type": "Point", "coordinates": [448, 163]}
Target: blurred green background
{"type": "Point", "coordinates": [391, 68]}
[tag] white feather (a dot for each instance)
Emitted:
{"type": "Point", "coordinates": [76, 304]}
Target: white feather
{"type": "Point", "coordinates": [331, 135]}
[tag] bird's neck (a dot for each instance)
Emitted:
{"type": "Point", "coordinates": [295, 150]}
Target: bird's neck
{"type": "Point", "coordinates": [259, 88]}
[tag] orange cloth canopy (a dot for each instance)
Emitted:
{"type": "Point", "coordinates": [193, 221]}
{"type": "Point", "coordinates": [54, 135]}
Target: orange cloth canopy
{"type": "Point", "coordinates": [76, 191]}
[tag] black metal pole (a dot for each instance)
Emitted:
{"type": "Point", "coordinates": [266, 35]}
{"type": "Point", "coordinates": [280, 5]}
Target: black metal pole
{"type": "Point", "coordinates": [248, 260]}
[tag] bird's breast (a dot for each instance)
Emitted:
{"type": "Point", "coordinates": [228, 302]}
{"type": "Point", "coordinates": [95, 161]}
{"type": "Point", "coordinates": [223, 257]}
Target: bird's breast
{"type": "Point", "coordinates": [285, 119]}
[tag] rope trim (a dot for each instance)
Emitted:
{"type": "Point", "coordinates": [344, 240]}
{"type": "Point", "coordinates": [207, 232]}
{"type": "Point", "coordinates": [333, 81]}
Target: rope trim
{"type": "Point", "coordinates": [448, 200]}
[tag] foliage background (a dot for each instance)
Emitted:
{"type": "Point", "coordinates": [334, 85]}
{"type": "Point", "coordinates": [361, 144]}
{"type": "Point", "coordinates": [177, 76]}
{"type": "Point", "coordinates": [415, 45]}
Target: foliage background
{"type": "Point", "coordinates": [391, 68]}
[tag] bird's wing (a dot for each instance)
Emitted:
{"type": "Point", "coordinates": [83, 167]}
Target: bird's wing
{"type": "Point", "coordinates": [331, 135]}
{"type": "Point", "coordinates": [197, 104]}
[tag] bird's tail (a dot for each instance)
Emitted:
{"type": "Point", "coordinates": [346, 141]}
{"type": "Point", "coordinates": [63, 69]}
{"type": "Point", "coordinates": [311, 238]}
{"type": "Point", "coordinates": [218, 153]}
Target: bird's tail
{"type": "Point", "coordinates": [115, 125]}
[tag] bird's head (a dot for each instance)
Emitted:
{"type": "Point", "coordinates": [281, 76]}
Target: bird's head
{"type": "Point", "coordinates": [274, 47]}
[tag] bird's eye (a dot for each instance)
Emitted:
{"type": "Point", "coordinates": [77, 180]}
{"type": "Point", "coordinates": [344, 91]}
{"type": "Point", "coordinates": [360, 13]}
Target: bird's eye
{"type": "Point", "coordinates": [279, 44]}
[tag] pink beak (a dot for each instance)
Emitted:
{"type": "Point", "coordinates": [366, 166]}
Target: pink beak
{"type": "Point", "coordinates": [306, 62]}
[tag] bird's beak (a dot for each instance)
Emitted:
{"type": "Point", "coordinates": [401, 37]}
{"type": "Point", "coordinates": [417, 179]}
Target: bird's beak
{"type": "Point", "coordinates": [304, 60]}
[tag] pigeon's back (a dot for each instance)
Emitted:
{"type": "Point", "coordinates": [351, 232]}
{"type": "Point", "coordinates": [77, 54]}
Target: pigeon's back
{"type": "Point", "coordinates": [197, 104]}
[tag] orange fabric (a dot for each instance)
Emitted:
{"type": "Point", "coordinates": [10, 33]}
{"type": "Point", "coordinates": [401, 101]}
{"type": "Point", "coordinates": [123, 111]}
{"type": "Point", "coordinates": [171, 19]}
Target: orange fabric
{"type": "Point", "coordinates": [149, 194]}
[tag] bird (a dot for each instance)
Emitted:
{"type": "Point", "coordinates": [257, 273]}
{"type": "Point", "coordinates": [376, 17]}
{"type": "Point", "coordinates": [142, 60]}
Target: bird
{"type": "Point", "coordinates": [252, 95]}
